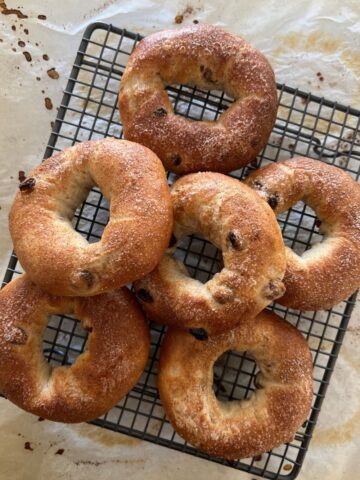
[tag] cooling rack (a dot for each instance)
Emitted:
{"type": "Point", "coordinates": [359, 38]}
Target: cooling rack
{"type": "Point", "coordinates": [306, 125]}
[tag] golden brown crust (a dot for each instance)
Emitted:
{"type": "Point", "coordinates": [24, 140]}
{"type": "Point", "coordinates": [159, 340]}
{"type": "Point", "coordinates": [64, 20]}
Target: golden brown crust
{"type": "Point", "coordinates": [116, 354]}
{"type": "Point", "coordinates": [237, 429]}
{"type": "Point", "coordinates": [58, 258]}
{"type": "Point", "coordinates": [212, 59]}
{"type": "Point", "coordinates": [329, 272]}
{"type": "Point", "coordinates": [238, 222]}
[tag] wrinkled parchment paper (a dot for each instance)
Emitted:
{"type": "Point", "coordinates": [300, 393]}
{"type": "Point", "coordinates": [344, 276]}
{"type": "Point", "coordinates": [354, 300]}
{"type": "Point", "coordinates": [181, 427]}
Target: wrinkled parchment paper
{"type": "Point", "coordinates": [312, 45]}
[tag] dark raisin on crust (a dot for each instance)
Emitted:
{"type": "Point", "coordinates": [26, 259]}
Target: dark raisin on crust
{"type": "Point", "coordinates": [176, 160]}
{"type": "Point", "coordinates": [199, 333]}
{"type": "Point", "coordinates": [160, 112]}
{"type": "Point", "coordinates": [207, 74]}
{"type": "Point", "coordinates": [144, 295]}
{"type": "Point", "coordinates": [235, 240]}
{"type": "Point", "coordinates": [27, 185]}
{"type": "Point", "coordinates": [273, 200]}
{"type": "Point", "coordinates": [21, 176]}
{"type": "Point", "coordinates": [274, 289]}
{"type": "Point", "coordinates": [318, 223]}
{"type": "Point", "coordinates": [255, 141]}
{"type": "Point", "coordinates": [88, 277]}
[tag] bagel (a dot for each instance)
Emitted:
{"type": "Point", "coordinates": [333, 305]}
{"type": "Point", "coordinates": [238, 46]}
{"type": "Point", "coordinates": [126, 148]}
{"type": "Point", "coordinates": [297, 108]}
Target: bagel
{"type": "Point", "coordinates": [245, 428]}
{"type": "Point", "coordinates": [212, 59]}
{"type": "Point", "coordinates": [59, 259]}
{"type": "Point", "coordinates": [233, 218]}
{"type": "Point", "coordinates": [330, 271]}
{"type": "Point", "coordinates": [116, 355]}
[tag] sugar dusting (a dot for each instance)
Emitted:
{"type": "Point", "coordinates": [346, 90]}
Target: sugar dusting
{"type": "Point", "coordinates": [246, 428]}
{"type": "Point", "coordinates": [229, 64]}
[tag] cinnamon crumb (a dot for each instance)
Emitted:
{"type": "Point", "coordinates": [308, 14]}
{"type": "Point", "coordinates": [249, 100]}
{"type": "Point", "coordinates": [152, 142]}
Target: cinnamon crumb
{"type": "Point", "coordinates": [52, 73]}
{"type": "Point", "coordinates": [27, 56]}
{"type": "Point", "coordinates": [48, 103]}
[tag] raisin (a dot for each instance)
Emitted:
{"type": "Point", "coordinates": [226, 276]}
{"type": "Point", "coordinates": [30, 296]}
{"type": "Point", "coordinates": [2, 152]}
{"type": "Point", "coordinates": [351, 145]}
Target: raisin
{"type": "Point", "coordinates": [199, 333]}
{"type": "Point", "coordinates": [235, 240]}
{"type": "Point", "coordinates": [88, 277]}
{"type": "Point", "coordinates": [274, 289]}
{"type": "Point", "coordinates": [27, 185]}
{"type": "Point", "coordinates": [207, 74]}
{"type": "Point", "coordinates": [160, 112]}
{"type": "Point", "coordinates": [273, 201]}
{"type": "Point", "coordinates": [144, 295]}
{"type": "Point", "coordinates": [255, 142]}
{"type": "Point", "coordinates": [176, 160]}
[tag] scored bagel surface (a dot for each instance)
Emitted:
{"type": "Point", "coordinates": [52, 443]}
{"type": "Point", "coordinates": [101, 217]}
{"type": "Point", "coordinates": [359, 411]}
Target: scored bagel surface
{"type": "Point", "coordinates": [61, 260]}
{"type": "Point", "coordinates": [237, 221]}
{"type": "Point", "coordinates": [329, 271]}
{"type": "Point", "coordinates": [212, 59]}
{"type": "Point", "coordinates": [116, 354]}
{"type": "Point", "coordinates": [238, 428]}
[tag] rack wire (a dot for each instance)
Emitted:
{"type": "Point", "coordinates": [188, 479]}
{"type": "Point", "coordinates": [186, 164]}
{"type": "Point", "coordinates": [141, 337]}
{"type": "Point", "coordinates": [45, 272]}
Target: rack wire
{"type": "Point", "coordinates": [306, 125]}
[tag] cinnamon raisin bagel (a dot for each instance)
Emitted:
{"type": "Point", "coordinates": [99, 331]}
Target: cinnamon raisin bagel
{"type": "Point", "coordinates": [59, 259]}
{"type": "Point", "coordinates": [116, 354]}
{"type": "Point", "coordinates": [212, 59]}
{"type": "Point", "coordinates": [233, 218]}
{"type": "Point", "coordinates": [238, 428]}
{"type": "Point", "coordinates": [330, 271]}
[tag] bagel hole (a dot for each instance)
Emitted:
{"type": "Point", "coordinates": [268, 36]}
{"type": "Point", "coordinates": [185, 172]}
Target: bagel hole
{"type": "Point", "coordinates": [64, 339]}
{"type": "Point", "coordinates": [200, 257]}
{"type": "Point", "coordinates": [301, 229]}
{"type": "Point", "coordinates": [92, 216]}
{"type": "Point", "coordinates": [234, 376]}
{"type": "Point", "coordinates": [195, 103]}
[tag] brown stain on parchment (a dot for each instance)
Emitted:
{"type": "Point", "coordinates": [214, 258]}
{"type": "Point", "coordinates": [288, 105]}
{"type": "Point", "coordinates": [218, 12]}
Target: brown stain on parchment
{"type": "Point", "coordinates": [317, 41]}
{"type": "Point", "coordinates": [324, 43]}
{"type": "Point", "coordinates": [105, 437]}
{"type": "Point", "coordinates": [346, 432]}
{"type": "Point", "coordinates": [340, 434]}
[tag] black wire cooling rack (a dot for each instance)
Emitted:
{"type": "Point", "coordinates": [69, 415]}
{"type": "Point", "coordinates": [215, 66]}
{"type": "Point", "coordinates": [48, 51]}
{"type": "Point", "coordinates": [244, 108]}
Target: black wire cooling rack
{"type": "Point", "coordinates": [306, 125]}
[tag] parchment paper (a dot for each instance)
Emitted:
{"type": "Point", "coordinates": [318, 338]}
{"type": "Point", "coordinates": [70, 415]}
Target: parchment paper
{"type": "Point", "coordinates": [312, 45]}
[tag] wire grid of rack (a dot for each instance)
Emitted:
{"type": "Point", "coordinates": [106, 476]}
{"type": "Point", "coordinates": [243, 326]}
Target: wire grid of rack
{"type": "Point", "coordinates": [306, 125]}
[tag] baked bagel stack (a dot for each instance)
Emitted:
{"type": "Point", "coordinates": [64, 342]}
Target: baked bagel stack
{"type": "Point", "coordinates": [66, 274]}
